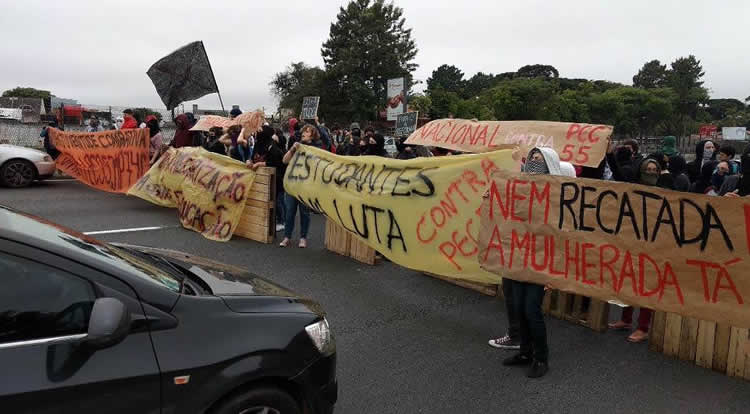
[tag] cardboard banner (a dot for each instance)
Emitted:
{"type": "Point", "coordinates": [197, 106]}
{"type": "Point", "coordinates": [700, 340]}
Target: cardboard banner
{"type": "Point", "coordinates": [422, 213]}
{"type": "Point", "coordinates": [644, 246]}
{"type": "Point", "coordinates": [208, 190]}
{"type": "Point", "coordinates": [109, 160]}
{"type": "Point", "coordinates": [310, 107]}
{"type": "Point", "coordinates": [406, 123]}
{"type": "Point", "coordinates": [579, 144]}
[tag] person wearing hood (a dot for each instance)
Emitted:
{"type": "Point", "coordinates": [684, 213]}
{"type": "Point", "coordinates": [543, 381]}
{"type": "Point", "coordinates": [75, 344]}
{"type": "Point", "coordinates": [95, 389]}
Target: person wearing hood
{"type": "Point", "coordinates": [702, 184]}
{"type": "Point", "coordinates": [677, 167]}
{"type": "Point", "coordinates": [527, 297]}
{"type": "Point", "coordinates": [666, 179]}
{"type": "Point", "coordinates": [620, 162]}
{"type": "Point", "coordinates": [375, 146]}
{"type": "Point", "coordinates": [669, 146]}
{"type": "Point", "coordinates": [738, 185]}
{"type": "Point", "coordinates": [128, 120]}
{"type": "Point", "coordinates": [182, 136]}
{"type": "Point", "coordinates": [269, 153]}
{"type": "Point", "coordinates": [49, 147]}
{"type": "Point", "coordinates": [648, 174]}
{"type": "Point", "coordinates": [705, 151]}
{"type": "Point", "coordinates": [294, 126]}
{"type": "Point", "coordinates": [213, 143]}
{"type": "Point", "coordinates": [405, 151]}
{"type": "Point", "coordinates": [234, 113]}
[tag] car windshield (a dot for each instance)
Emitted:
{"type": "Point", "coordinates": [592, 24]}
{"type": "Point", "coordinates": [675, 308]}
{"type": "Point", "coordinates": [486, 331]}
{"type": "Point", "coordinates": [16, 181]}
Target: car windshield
{"type": "Point", "coordinates": [156, 268]}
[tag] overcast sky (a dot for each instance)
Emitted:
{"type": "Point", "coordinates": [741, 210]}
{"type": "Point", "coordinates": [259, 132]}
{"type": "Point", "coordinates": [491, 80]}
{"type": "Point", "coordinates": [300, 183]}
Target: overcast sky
{"type": "Point", "coordinates": [98, 51]}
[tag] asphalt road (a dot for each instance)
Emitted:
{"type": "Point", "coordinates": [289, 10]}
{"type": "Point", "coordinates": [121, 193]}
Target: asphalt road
{"type": "Point", "coordinates": [408, 343]}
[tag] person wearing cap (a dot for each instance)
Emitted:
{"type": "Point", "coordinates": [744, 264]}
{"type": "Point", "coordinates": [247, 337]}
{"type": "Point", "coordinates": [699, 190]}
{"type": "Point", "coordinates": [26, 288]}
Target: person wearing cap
{"type": "Point", "coordinates": [234, 113]}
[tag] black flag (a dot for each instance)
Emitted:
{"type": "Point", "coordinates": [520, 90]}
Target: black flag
{"type": "Point", "coordinates": [183, 75]}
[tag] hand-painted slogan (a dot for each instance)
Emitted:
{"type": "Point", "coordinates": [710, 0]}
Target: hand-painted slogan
{"type": "Point", "coordinates": [422, 214]}
{"type": "Point", "coordinates": [209, 190]}
{"type": "Point", "coordinates": [665, 250]}
{"type": "Point", "coordinates": [109, 160]}
{"type": "Point", "coordinates": [579, 144]}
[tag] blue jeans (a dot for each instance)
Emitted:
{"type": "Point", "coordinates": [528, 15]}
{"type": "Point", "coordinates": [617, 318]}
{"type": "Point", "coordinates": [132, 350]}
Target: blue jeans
{"type": "Point", "coordinates": [291, 213]}
{"type": "Point", "coordinates": [280, 207]}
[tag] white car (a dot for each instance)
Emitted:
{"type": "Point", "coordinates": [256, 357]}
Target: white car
{"type": "Point", "coordinates": [390, 146]}
{"type": "Point", "coordinates": [20, 166]}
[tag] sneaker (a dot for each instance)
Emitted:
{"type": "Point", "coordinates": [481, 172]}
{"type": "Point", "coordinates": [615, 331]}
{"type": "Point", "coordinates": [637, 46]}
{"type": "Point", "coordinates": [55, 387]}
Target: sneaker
{"type": "Point", "coordinates": [537, 369]}
{"type": "Point", "coordinates": [517, 360]}
{"type": "Point", "coordinates": [505, 342]}
{"type": "Point", "coordinates": [280, 227]}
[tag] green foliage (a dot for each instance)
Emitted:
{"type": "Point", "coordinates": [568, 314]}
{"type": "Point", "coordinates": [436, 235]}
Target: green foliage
{"type": "Point", "coordinates": [421, 103]}
{"type": "Point", "coordinates": [652, 75]}
{"type": "Point", "coordinates": [536, 71]}
{"type": "Point", "coordinates": [367, 45]}
{"type": "Point", "coordinates": [142, 113]}
{"type": "Point", "coordinates": [448, 78]}
{"type": "Point", "coordinates": [296, 82]}
{"type": "Point", "coordinates": [444, 103]}
{"type": "Point", "coordinates": [20, 92]}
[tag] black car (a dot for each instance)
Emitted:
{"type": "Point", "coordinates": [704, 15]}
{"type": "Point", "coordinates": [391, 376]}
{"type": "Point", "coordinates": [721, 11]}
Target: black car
{"type": "Point", "coordinates": [89, 327]}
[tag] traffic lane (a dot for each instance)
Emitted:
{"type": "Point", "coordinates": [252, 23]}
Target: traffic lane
{"type": "Point", "coordinates": [408, 342]}
{"type": "Point", "coordinates": [75, 205]}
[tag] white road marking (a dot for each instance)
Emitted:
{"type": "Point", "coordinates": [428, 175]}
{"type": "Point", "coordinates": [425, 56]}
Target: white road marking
{"type": "Point", "coordinates": [93, 233]}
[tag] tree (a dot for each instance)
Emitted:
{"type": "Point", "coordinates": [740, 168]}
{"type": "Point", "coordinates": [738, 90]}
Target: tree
{"type": "Point", "coordinates": [142, 113]}
{"type": "Point", "coordinates": [296, 82]}
{"type": "Point", "coordinates": [652, 75]}
{"type": "Point", "coordinates": [446, 77]}
{"type": "Point", "coordinates": [421, 103]}
{"type": "Point", "coordinates": [684, 78]}
{"type": "Point", "coordinates": [20, 92]}
{"type": "Point", "coordinates": [535, 71]}
{"type": "Point", "coordinates": [367, 45]}
{"type": "Point", "coordinates": [477, 84]}
{"type": "Point", "coordinates": [444, 103]}
{"type": "Point", "coordinates": [719, 108]}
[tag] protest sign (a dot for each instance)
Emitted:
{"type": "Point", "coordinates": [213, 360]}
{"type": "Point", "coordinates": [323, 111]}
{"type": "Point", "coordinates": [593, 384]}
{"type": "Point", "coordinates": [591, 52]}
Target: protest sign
{"type": "Point", "coordinates": [579, 144]}
{"type": "Point", "coordinates": [310, 107]}
{"type": "Point", "coordinates": [208, 190]}
{"type": "Point", "coordinates": [422, 213]}
{"type": "Point", "coordinates": [644, 246]}
{"type": "Point", "coordinates": [734, 133]}
{"type": "Point", "coordinates": [109, 160]}
{"type": "Point", "coordinates": [396, 104]}
{"type": "Point", "coordinates": [406, 123]}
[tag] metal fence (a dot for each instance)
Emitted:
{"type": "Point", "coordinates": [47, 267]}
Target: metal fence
{"type": "Point", "coordinates": [27, 135]}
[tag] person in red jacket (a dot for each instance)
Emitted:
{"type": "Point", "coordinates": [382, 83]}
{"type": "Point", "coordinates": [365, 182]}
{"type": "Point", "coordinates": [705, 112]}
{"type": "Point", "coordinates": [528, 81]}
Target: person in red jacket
{"type": "Point", "coordinates": [129, 121]}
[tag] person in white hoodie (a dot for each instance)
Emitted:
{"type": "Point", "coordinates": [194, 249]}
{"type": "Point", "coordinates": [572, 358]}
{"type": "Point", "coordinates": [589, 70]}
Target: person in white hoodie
{"type": "Point", "coordinates": [527, 297]}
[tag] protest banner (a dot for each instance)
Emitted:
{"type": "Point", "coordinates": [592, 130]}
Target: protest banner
{"type": "Point", "coordinates": [644, 246]}
{"type": "Point", "coordinates": [422, 213]}
{"type": "Point", "coordinates": [579, 144]}
{"type": "Point", "coordinates": [310, 107]}
{"type": "Point", "coordinates": [109, 160]}
{"type": "Point", "coordinates": [396, 95]}
{"type": "Point", "coordinates": [208, 190]}
{"type": "Point", "coordinates": [406, 123]}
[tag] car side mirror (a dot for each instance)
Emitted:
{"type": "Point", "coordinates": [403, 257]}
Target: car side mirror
{"type": "Point", "coordinates": [109, 323]}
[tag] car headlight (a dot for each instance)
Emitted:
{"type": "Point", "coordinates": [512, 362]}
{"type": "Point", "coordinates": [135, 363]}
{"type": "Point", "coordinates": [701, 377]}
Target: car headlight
{"type": "Point", "coordinates": [47, 158]}
{"type": "Point", "coordinates": [322, 337]}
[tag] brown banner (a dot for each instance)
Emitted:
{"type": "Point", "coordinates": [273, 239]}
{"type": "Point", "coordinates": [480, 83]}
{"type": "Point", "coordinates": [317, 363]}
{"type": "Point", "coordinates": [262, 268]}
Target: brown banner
{"type": "Point", "coordinates": [109, 160]}
{"type": "Point", "coordinates": [665, 250]}
{"type": "Point", "coordinates": [579, 144]}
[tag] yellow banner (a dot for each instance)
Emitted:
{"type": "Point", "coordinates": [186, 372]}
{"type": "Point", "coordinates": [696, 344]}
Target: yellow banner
{"type": "Point", "coordinates": [422, 213]}
{"type": "Point", "coordinates": [208, 190]}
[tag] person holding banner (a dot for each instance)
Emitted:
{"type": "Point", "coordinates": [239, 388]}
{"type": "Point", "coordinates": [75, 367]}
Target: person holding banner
{"type": "Point", "coordinates": [528, 297]}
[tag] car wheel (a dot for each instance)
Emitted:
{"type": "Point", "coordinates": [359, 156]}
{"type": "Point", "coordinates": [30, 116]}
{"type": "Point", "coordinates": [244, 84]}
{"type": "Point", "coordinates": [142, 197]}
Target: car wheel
{"type": "Point", "coordinates": [265, 400]}
{"type": "Point", "coordinates": [17, 173]}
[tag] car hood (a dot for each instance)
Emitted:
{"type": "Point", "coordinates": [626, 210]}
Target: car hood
{"type": "Point", "coordinates": [16, 151]}
{"type": "Point", "coordinates": [223, 279]}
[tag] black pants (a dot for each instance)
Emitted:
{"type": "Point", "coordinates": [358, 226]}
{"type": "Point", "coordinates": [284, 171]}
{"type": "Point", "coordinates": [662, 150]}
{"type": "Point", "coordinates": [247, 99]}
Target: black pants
{"type": "Point", "coordinates": [510, 308]}
{"type": "Point", "coordinates": [527, 299]}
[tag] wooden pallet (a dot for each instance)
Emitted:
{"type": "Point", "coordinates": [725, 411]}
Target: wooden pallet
{"type": "Point", "coordinates": [341, 241]}
{"type": "Point", "coordinates": [483, 288]}
{"type": "Point", "coordinates": [258, 221]}
{"type": "Point", "coordinates": [720, 347]}
{"type": "Point", "coordinates": [569, 307]}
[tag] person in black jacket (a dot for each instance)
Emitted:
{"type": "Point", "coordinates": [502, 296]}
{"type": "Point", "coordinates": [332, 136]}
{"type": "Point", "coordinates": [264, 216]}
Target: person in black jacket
{"type": "Point", "coordinates": [677, 166]}
{"type": "Point", "coordinates": [621, 164]}
{"type": "Point", "coordinates": [738, 185]}
{"type": "Point", "coordinates": [704, 151]}
{"type": "Point", "coordinates": [702, 184]}
{"type": "Point", "coordinates": [213, 144]}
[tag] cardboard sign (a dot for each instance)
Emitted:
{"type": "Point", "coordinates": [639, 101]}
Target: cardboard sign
{"type": "Point", "coordinates": [421, 213]}
{"type": "Point", "coordinates": [644, 246]}
{"type": "Point", "coordinates": [396, 104]}
{"type": "Point", "coordinates": [734, 133]}
{"type": "Point", "coordinates": [406, 124]}
{"type": "Point", "coordinates": [310, 107]}
{"type": "Point", "coordinates": [109, 160]}
{"type": "Point", "coordinates": [208, 190]}
{"type": "Point", "coordinates": [579, 144]}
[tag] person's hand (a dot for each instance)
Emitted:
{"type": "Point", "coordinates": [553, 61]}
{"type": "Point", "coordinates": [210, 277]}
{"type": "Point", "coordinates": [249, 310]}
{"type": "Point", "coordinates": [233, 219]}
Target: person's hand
{"type": "Point", "coordinates": [610, 147]}
{"type": "Point", "coordinates": [732, 194]}
{"type": "Point", "coordinates": [295, 147]}
{"type": "Point", "coordinates": [316, 120]}
{"type": "Point", "coordinates": [372, 141]}
{"type": "Point", "coordinates": [249, 164]}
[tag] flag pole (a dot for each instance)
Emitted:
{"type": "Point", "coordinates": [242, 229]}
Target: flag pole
{"type": "Point", "coordinates": [214, 77]}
